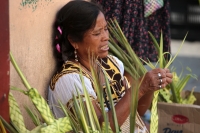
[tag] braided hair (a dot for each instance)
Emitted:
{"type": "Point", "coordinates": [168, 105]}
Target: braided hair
{"type": "Point", "coordinates": [72, 20]}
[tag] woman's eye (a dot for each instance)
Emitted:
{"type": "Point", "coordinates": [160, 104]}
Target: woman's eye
{"type": "Point", "coordinates": [96, 34]}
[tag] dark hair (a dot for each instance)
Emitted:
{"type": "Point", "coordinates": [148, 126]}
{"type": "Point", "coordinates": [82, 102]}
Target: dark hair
{"type": "Point", "coordinates": [74, 19]}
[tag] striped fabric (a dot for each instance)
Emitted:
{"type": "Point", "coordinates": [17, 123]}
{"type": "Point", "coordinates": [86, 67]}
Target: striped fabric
{"type": "Point", "coordinates": [150, 6]}
{"type": "Point", "coordinates": [139, 125]}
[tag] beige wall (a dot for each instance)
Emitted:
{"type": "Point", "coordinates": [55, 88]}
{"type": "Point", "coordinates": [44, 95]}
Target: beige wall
{"type": "Point", "coordinates": [30, 44]}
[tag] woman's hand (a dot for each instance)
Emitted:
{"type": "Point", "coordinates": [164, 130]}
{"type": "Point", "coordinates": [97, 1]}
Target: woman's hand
{"type": "Point", "coordinates": [154, 80]}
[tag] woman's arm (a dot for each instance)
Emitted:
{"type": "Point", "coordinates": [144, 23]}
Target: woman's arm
{"type": "Point", "coordinates": [144, 100]}
{"type": "Point", "coordinates": [144, 103]}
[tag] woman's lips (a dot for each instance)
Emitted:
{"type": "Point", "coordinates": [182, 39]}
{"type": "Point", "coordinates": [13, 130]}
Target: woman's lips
{"type": "Point", "coordinates": [105, 48]}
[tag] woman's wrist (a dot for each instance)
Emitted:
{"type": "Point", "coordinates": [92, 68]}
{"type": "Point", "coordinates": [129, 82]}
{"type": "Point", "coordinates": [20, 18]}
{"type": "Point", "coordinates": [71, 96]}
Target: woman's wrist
{"type": "Point", "coordinates": [144, 92]}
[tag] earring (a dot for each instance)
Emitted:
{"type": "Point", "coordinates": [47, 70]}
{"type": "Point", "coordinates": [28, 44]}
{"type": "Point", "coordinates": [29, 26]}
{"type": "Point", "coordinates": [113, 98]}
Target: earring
{"type": "Point", "coordinates": [75, 54]}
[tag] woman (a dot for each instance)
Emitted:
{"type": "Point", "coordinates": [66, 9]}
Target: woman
{"type": "Point", "coordinates": [80, 26]}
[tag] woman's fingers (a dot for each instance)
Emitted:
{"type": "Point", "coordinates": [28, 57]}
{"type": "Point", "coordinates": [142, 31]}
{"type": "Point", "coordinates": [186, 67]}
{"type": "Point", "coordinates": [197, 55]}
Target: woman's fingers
{"type": "Point", "coordinates": [168, 80]}
{"type": "Point", "coordinates": [169, 75]}
{"type": "Point", "coordinates": [159, 78]}
{"type": "Point", "coordinates": [167, 70]}
{"type": "Point", "coordinates": [156, 79]}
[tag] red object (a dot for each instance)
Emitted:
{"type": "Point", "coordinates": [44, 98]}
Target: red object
{"type": "Point", "coordinates": [4, 59]}
{"type": "Point", "coordinates": [180, 119]}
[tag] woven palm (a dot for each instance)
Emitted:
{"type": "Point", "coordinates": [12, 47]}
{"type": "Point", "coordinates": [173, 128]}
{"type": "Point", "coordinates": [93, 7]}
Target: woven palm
{"type": "Point", "coordinates": [15, 114]}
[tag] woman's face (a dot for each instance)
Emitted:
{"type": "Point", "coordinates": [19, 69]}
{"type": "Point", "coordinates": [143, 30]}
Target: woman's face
{"type": "Point", "coordinates": [95, 40]}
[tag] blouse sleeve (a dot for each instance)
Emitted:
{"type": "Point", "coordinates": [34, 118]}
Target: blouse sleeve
{"type": "Point", "coordinates": [65, 87]}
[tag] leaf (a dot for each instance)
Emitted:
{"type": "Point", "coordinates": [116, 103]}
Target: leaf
{"type": "Point", "coordinates": [90, 109]}
{"type": "Point", "coordinates": [78, 105]}
{"type": "Point", "coordinates": [190, 99]}
{"type": "Point", "coordinates": [8, 126]}
{"type": "Point", "coordinates": [104, 130]}
{"type": "Point", "coordinates": [99, 91]}
{"type": "Point", "coordinates": [33, 116]}
{"type": "Point", "coordinates": [169, 63]}
{"type": "Point", "coordinates": [112, 106]}
{"type": "Point", "coordinates": [70, 118]}
{"type": "Point", "coordinates": [166, 95]}
{"type": "Point", "coordinates": [2, 129]}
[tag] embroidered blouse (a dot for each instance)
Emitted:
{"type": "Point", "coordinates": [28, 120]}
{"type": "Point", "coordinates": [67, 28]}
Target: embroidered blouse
{"type": "Point", "coordinates": [65, 83]}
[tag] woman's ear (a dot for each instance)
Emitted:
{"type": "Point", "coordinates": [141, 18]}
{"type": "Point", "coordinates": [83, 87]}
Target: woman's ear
{"type": "Point", "coordinates": [74, 44]}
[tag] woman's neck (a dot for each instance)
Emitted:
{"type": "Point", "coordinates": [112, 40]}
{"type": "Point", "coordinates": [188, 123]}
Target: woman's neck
{"type": "Point", "coordinates": [85, 63]}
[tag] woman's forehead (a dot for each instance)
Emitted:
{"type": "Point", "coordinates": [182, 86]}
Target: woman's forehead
{"type": "Point", "coordinates": [100, 22]}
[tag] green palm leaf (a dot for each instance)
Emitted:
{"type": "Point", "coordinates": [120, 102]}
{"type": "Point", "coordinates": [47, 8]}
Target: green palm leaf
{"type": "Point", "coordinates": [33, 116]}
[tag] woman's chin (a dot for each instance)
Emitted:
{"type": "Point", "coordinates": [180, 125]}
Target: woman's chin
{"type": "Point", "coordinates": [103, 55]}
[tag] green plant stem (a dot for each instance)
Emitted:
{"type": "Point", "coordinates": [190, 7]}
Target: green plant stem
{"type": "Point", "coordinates": [27, 85]}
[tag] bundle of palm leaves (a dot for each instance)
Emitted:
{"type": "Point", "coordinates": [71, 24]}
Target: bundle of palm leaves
{"type": "Point", "coordinates": [172, 93]}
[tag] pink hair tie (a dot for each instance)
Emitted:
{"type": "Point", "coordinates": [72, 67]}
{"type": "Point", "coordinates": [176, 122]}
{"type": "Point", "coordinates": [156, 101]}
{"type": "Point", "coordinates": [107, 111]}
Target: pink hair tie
{"type": "Point", "coordinates": [59, 29]}
{"type": "Point", "coordinates": [58, 47]}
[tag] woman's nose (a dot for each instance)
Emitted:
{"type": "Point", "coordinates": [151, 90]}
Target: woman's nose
{"type": "Point", "coordinates": [105, 36]}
